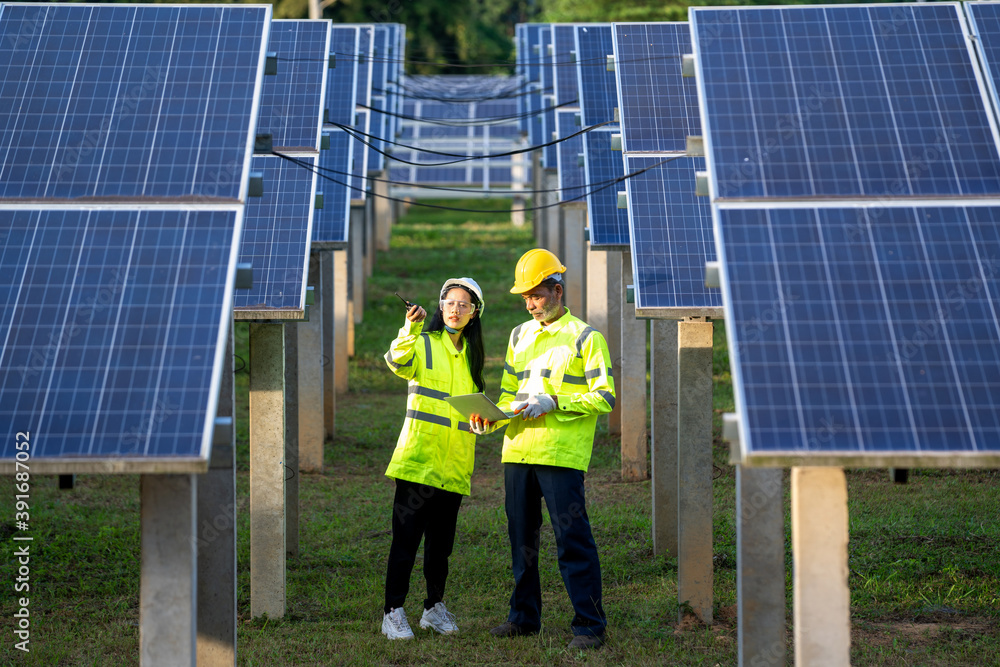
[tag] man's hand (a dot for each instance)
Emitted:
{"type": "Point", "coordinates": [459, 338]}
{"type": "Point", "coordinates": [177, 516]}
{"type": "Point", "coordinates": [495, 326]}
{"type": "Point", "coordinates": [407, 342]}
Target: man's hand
{"type": "Point", "coordinates": [478, 425]}
{"type": "Point", "coordinates": [536, 406]}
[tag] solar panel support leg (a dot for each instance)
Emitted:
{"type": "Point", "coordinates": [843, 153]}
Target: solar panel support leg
{"type": "Point", "coordinates": [630, 386]}
{"type": "Point", "coordinates": [537, 182]}
{"type": "Point", "coordinates": [357, 246]}
{"type": "Point", "coordinates": [616, 298]}
{"type": "Point", "coordinates": [822, 599]}
{"type": "Point", "coordinates": [516, 186]}
{"type": "Point", "coordinates": [311, 416]}
{"type": "Point", "coordinates": [760, 566]}
{"type": "Point", "coordinates": [370, 227]}
{"type": "Point", "coordinates": [327, 312]}
{"type": "Point", "coordinates": [342, 320]}
{"type": "Point", "coordinates": [383, 212]}
{"type": "Point", "coordinates": [550, 220]}
{"type": "Point", "coordinates": [663, 395]}
{"type": "Point", "coordinates": [167, 590]}
{"type": "Point", "coordinates": [217, 540]}
{"type": "Point", "coordinates": [574, 220]}
{"type": "Point", "coordinates": [694, 468]}
{"type": "Point", "coordinates": [267, 470]}
{"type": "Point", "coordinates": [295, 427]}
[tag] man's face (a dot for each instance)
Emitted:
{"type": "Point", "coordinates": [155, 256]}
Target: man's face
{"type": "Point", "coordinates": [544, 303]}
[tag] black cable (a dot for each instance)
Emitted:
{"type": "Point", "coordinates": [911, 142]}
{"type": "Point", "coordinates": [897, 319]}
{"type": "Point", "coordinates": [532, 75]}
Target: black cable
{"type": "Point", "coordinates": [356, 134]}
{"type": "Point", "coordinates": [310, 167]}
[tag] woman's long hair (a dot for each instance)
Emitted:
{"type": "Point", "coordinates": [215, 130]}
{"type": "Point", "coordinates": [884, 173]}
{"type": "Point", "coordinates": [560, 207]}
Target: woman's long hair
{"type": "Point", "coordinates": [473, 335]}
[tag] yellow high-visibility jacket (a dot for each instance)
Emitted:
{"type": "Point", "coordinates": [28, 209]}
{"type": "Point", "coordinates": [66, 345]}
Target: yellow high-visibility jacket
{"type": "Point", "coordinates": [435, 446]}
{"type": "Point", "coordinates": [570, 361]}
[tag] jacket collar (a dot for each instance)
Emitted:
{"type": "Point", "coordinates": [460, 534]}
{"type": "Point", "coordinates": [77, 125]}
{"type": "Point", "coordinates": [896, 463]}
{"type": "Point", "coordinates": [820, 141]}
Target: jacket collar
{"type": "Point", "coordinates": [554, 328]}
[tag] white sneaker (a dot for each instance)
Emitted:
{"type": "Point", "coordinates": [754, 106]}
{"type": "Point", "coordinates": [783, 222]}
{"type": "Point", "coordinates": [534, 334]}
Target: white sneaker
{"type": "Point", "coordinates": [395, 625]}
{"type": "Point", "coordinates": [439, 619]}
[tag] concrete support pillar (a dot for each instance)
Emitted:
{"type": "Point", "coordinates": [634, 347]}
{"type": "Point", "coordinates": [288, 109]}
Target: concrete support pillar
{"type": "Point", "coordinates": [537, 183]}
{"type": "Point", "coordinates": [694, 440]}
{"type": "Point", "coordinates": [369, 247]}
{"type": "Point", "coordinates": [597, 291]}
{"type": "Point", "coordinates": [294, 423]}
{"type": "Point", "coordinates": [216, 495]}
{"type": "Point", "coordinates": [342, 322]}
{"type": "Point", "coordinates": [760, 566]}
{"type": "Point", "coordinates": [383, 212]}
{"type": "Point", "coordinates": [663, 395]}
{"type": "Point", "coordinates": [309, 409]}
{"type": "Point", "coordinates": [632, 388]}
{"type": "Point", "coordinates": [550, 239]}
{"type": "Point", "coordinates": [616, 298]}
{"type": "Point", "coordinates": [326, 311]}
{"type": "Point", "coordinates": [517, 185]}
{"type": "Point", "coordinates": [357, 249]}
{"type": "Point", "coordinates": [267, 470]}
{"type": "Point", "coordinates": [574, 256]}
{"type": "Point", "coordinates": [168, 615]}
{"type": "Point", "coordinates": [822, 600]}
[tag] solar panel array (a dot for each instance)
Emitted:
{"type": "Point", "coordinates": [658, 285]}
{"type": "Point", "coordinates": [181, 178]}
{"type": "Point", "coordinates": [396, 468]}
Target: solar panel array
{"type": "Point", "coordinates": [115, 316]}
{"type": "Point", "coordinates": [854, 175]}
{"type": "Point", "coordinates": [669, 227]}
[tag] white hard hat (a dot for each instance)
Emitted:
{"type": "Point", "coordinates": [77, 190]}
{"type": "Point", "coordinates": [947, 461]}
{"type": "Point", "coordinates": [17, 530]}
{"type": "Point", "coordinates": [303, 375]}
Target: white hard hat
{"type": "Point", "coordinates": [468, 284]}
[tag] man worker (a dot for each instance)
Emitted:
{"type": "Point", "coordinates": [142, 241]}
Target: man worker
{"type": "Point", "coordinates": [557, 378]}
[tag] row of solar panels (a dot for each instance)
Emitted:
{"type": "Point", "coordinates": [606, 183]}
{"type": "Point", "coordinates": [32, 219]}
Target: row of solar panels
{"type": "Point", "coordinates": [851, 176]}
{"type": "Point", "coordinates": [134, 173]}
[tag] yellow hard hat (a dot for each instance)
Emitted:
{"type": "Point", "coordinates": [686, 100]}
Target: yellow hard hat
{"type": "Point", "coordinates": [534, 267]}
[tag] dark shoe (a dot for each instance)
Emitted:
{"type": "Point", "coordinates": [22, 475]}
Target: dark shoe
{"type": "Point", "coordinates": [508, 629]}
{"type": "Point", "coordinates": [584, 642]}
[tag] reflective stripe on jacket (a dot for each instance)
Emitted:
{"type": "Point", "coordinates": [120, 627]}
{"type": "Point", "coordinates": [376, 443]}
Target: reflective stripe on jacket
{"type": "Point", "coordinates": [570, 361]}
{"type": "Point", "coordinates": [435, 446]}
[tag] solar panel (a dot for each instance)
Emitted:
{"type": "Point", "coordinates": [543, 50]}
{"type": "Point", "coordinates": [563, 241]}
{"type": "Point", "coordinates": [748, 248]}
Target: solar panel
{"type": "Point", "coordinates": [330, 223]}
{"type": "Point", "coordinates": [571, 172]}
{"type": "Point", "coordinates": [670, 232]}
{"type": "Point", "coordinates": [843, 101]}
{"type": "Point", "coordinates": [292, 101]}
{"type": "Point", "coordinates": [342, 78]}
{"type": "Point", "coordinates": [564, 64]}
{"type": "Point", "coordinates": [658, 108]}
{"type": "Point", "coordinates": [984, 18]}
{"type": "Point", "coordinates": [534, 74]}
{"type": "Point", "coordinates": [598, 95]}
{"type": "Point", "coordinates": [377, 126]}
{"type": "Point", "coordinates": [608, 223]}
{"type": "Point", "coordinates": [380, 61]}
{"type": "Point", "coordinates": [277, 228]}
{"type": "Point", "coordinates": [124, 101]}
{"type": "Point", "coordinates": [550, 153]}
{"type": "Point", "coordinates": [112, 332]}
{"type": "Point", "coordinates": [366, 48]}
{"type": "Point", "coordinates": [864, 333]}
{"type": "Point", "coordinates": [359, 183]}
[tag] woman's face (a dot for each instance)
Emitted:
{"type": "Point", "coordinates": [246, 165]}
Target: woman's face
{"type": "Point", "coordinates": [457, 308]}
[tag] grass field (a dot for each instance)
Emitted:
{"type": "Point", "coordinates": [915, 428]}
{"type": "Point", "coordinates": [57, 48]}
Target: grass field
{"type": "Point", "coordinates": [924, 557]}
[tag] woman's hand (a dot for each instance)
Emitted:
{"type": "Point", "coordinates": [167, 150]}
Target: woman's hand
{"type": "Point", "coordinates": [416, 314]}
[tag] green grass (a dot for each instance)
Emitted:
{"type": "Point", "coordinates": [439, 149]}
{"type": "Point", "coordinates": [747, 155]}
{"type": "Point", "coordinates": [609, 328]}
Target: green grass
{"type": "Point", "coordinates": [925, 565]}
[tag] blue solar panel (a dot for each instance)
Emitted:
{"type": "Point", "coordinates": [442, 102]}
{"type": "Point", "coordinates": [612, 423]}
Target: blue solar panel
{"type": "Point", "coordinates": [658, 108]}
{"type": "Point", "coordinates": [849, 101]}
{"type": "Point", "coordinates": [550, 153]}
{"type": "Point", "coordinates": [330, 223]}
{"type": "Point", "coordinates": [564, 64]}
{"type": "Point", "coordinates": [118, 101]}
{"type": "Point", "coordinates": [985, 20]}
{"type": "Point", "coordinates": [598, 96]}
{"type": "Point", "coordinates": [533, 71]}
{"type": "Point", "coordinates": [113, 327]}
{"type": "Point", "coordinates": [571, 172]}
{"type": "Point", "coordinates": [292, 101]}
{"type": "Point", "coordinates": [366, 47]}
{"type": "Point", "coordinates": [670, 229]}
{"type": "Point", "coordinates": [277, 228]}
{"type": "Point", "coordinates": [608, 223]}
{"type": "Point", "coordinates": [359, 183]}
{"type": "Point", "coordinates": [864, 330]}
{"type": "Point", "coordinates": [377, 126]}
{"type": "Point", "coordinates": [342, 79]}
{"type": "Point", "coordinates": [380, 61]}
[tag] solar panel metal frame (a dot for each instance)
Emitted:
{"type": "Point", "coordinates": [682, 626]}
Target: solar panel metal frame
{"type": "Point", "coordinates": [255, 106]}
{"type": "Point", "coordinates": [713, 167]}
{"type": "Point", "coordinates": [742, 450]}
{"type": "Point", "coordinates": [702, 306]}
